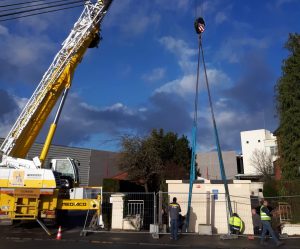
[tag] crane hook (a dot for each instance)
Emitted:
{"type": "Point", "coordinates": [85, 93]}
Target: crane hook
{"type": "Point", "coordinates": [199, 25]}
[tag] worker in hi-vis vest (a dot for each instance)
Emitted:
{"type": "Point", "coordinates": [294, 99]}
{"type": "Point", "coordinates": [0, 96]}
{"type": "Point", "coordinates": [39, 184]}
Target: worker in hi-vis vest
{"type": "Point", "coordinates": [266, 216]}
{"type": "Point", "coordinates": [236, 224]}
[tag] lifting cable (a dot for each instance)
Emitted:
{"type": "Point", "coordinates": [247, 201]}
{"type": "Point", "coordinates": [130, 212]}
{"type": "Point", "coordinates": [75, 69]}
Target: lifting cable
{"type": "Point", "coordinates": [199, 27]}
{"type": "Point", "coordinates": [194, 140]}
{"type": "Point", "coordinates": [222, 168]}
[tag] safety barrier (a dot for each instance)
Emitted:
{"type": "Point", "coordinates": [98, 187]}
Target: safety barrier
{"type": "Point", "coordinates": [286, 214]}
{"type": "Point", "coordinates": [206, 210]}
{"type": "Point", "coordinates": [134, 212]}
{"type": "Point", "coordinates": [128, 211]}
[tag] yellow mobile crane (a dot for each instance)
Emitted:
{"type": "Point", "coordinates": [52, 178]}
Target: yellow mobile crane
{"type": "Point", "coordinates": [27, 190]}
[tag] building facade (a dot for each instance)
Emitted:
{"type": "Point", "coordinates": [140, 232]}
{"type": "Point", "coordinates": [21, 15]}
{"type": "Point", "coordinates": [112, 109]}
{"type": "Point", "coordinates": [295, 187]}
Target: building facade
{"type": "Point", "coordinates": [209, 167]}
{"type": "Point", "coordinates": [257, 140]}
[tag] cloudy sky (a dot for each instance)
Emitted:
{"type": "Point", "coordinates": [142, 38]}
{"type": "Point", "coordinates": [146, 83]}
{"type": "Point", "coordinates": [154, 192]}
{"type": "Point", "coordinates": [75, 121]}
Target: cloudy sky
{"type": "Point", "coordinates": [142, 76]}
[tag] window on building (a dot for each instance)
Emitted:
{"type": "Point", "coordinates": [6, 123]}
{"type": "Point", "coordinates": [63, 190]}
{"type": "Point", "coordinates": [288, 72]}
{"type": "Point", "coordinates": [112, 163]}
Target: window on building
{"type": "Point", "coordinates": [274, 150]}
{"type": "Point", "coordinates": [247, 142]}
{"type": "Point", "coordinates": [258, 140]}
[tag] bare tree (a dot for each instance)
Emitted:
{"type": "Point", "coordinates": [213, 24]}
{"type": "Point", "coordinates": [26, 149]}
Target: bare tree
{"type": "Point", "coordinates": [263, 163]}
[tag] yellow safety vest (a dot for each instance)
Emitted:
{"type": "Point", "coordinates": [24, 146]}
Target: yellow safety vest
{"type": "Point", "coordinates": [263, 215]}
{"type": "Point", "coordinates": [236, 221]}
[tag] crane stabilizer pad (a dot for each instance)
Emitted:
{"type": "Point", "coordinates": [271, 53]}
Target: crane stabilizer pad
{"type": "Point", "coordinates": [6, 222]}
{"type": "Point", "coordinates": [155, 235]}
{"type": "Point", "coordinates": [228, 236]}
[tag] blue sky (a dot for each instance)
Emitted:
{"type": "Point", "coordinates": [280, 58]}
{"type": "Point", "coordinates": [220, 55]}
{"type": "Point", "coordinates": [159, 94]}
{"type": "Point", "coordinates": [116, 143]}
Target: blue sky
{"type": "Point", "coordinates": [142, 76]}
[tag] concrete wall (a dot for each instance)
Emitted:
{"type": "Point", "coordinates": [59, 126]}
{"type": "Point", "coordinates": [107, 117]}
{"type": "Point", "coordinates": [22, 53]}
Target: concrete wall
{"type": "Point", "coordinates": [205, 209]}
{"type": "Point", "coordinates": [104, 164]}
{"type": "Point", "coordinates": [209, 167]}
{"type": "Point", "coordinates": [262, 140]}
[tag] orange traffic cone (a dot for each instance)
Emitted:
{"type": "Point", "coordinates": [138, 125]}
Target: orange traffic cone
{"type": "Point", "coordinates": [58, 236]}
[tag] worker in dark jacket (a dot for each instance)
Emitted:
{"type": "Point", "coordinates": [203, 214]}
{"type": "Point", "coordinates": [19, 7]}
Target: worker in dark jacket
{"type": "Point", "coordinates": [266, 216]}
{"type": "Point", "coordinates": [256, 221]}
{"type": "Point", "coordinates": [236, 224]}
{"type": "Point", "coordinates": [174, 210]}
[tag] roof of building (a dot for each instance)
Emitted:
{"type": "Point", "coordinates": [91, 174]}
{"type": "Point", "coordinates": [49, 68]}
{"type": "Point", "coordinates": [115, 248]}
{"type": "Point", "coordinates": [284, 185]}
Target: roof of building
{"type": "Point", "coordinates": [121, 176]}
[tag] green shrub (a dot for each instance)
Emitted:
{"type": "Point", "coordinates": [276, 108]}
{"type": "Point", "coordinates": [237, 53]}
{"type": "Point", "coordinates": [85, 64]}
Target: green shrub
{"type": "Point", "coordinates": [111, 185]}
{"type": "Point", "coordinates": [271, 188]}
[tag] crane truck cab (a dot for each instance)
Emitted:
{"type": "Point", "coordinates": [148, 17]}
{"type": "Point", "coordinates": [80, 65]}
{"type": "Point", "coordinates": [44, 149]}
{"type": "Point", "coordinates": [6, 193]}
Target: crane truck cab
{"type": "Point", "coordinates": [66, 171]}
{"type": "Point", "coordinates": [18, 172]}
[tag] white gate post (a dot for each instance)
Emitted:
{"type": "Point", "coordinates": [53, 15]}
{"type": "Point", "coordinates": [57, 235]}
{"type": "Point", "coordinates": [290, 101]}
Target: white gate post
{"type": "Point", "coordinates": [117, 201]}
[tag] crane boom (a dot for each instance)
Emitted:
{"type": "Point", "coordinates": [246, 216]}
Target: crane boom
{"type": "Point", "coordinates": [27, 191]}
{"type": "Point", "coordinates": [57, 78]}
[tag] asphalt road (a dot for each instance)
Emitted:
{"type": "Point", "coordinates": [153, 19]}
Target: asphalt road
{"type": "Point", "coordinates": [32, 236]}
{"type": "Point", "coordinates": [34, 244]}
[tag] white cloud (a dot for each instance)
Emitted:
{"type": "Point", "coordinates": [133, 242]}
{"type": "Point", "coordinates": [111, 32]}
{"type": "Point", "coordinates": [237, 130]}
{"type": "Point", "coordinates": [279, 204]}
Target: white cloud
{"type": "Point", "coordinates": [226, 117]}
{"type": "Point", "coordinates": [37, 23]}
{"type": "Point", "coordinates": [8, 119]}
{"type": "Point", "coordinates": [142, 109]}
{"type": "Point", "coordinates": [208, 6]}
{"type": "Point", "coordinates": [179, 5]}
{"type": "Point", "coordinates": [233, 48]}
{"type": "Point", "coordinates": [21, 102]}
{"type": "Point", "coordinates": [253, 42]}
{"type": "Point", "coordinates": [181, 86]}
{"type": "Point", "coordinates": [218, 77]}
{"type": "Point", "coordinates": [19, 52]}
{"type": "Point", "coordinates": [3, 30]}
{"type": "Point", "coordinates": [187, 62]}
{"type": "Point", "coordinates": [187, 84]}
{"type": "Point", "coordinates": [183, 51]}
{"type": "Point", "coordinates": [116, 10]}
{"type": "Point", "coordinates": [220, 17]}
{"type": "Point", "coordinates": [221, 103]}
{"type": "Point", "coordinates": [178, 47]}
{"type": "Point", "coordinates": [129, 22]}
{"type": "Point", "coordinates": [4, 129]}
{"type": "Point", "coordinates": [26, 50]}
{"type": "Point", "coordinates": [208, 147]}
{"type": "Point", "coordinates": [279, 3]}
{"type": "Point", "coordinates": [118, 107]}
{"type": "Point", "coordinates": [155, 74]}
{"type": "Point", "coordinates": [139, 23]}
{"type": "Point", "coordinates": [87, 106]}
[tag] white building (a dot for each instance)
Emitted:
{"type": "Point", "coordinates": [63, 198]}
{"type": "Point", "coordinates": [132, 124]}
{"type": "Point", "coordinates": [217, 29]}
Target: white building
{"type": "Point", "coordinates": [261, 140]}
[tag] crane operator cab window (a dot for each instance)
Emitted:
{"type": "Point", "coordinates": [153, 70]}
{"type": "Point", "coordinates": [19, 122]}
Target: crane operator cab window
{"type": "Point", "coordinates": [67, 170]}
